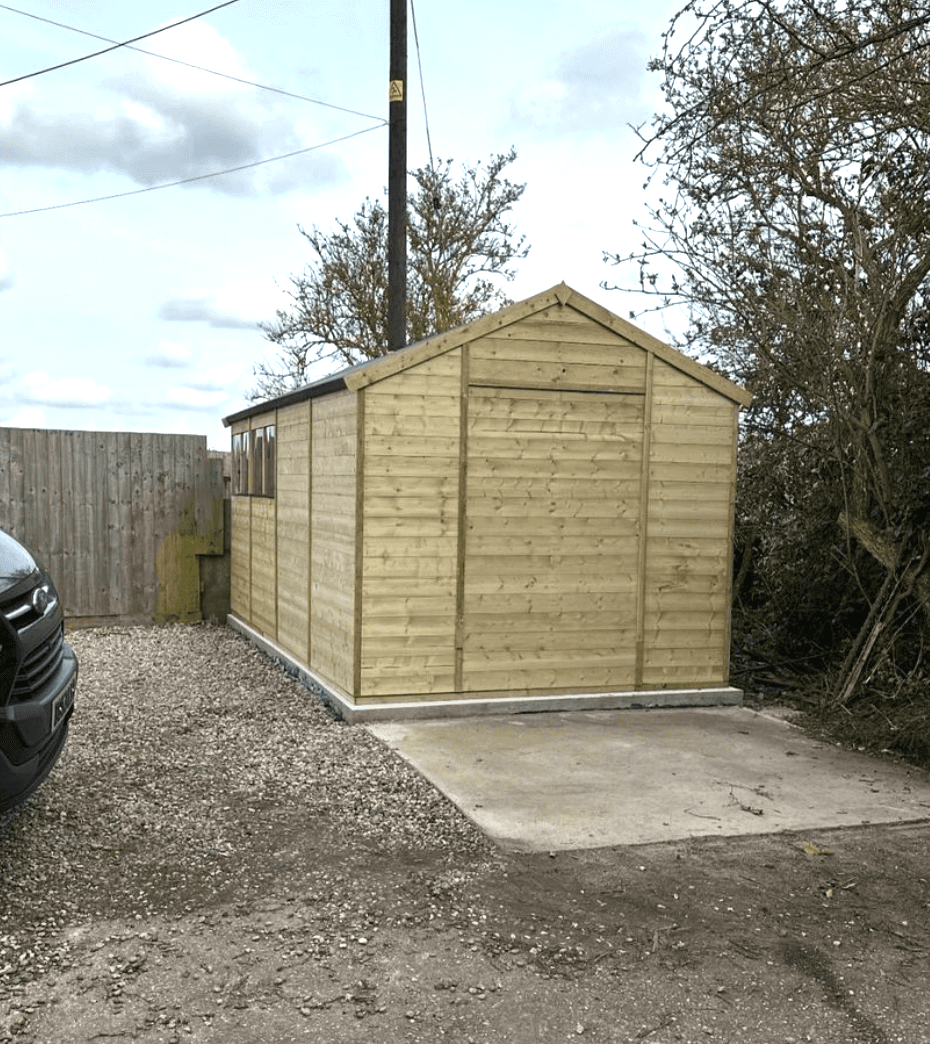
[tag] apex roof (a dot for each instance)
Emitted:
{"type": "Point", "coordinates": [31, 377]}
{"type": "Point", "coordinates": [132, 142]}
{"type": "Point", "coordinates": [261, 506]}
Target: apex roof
{"type": "Point", "coordinates": [373, 370]}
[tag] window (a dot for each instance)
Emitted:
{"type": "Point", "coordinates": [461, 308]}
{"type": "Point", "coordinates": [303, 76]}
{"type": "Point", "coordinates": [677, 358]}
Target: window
{"type": "Point", "coordinates": [268, 467]}
{"type": "Point", "coordinates": [253, 462]}
{"type": "Point", "coordinates": [240, 463]}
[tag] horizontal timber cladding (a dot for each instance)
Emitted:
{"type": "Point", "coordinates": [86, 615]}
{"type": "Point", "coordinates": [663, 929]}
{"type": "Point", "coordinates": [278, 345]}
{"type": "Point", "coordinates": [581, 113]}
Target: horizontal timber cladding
{"type": "Point", "coordinates": [240, 594]}
{"type": "Point", "coordinates": [292, 488]}
{"type": "Point", "coordinates": [538, 502]}
{"type": "Point", "coordinates": [688, 548]}
{"type": "Point", "coordinates": [557, 348]}
{"type": "Point", "coordinates": [552, 523]}
{"type": "Point", "coordinates": [410, 535]}
{"type": "Point", "coordinates": [264, 567]}
{"type": "Point", "coordinates": [332, 550]}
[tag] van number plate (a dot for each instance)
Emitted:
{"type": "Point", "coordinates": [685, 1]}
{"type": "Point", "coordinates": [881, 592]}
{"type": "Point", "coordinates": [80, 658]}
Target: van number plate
{"type": "Point", "coordinates": [64, 701]}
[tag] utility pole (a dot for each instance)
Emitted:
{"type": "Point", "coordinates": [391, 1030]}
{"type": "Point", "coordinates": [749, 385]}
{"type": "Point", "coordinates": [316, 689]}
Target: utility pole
{"type": "Point", "coordinates": [397, 179]}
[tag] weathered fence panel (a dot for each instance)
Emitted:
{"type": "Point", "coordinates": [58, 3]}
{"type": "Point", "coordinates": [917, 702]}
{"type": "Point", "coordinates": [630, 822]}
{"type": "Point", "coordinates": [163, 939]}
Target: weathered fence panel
{"type": "Point", "coordinates": [120, 519]}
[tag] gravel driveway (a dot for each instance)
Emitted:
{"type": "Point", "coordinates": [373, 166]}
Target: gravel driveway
{"type": "Point", "coordinates": [217, 859]}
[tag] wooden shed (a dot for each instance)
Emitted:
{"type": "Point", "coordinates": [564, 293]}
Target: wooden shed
{"type": "Point", "coordinates": [531, 511]}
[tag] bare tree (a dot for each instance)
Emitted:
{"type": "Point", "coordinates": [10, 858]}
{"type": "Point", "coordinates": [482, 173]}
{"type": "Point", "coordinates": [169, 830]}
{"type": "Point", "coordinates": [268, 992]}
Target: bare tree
{"type": "Point", "coordinates": [794, 227]}
{"type": "Point", "coordinates": [460, 245]}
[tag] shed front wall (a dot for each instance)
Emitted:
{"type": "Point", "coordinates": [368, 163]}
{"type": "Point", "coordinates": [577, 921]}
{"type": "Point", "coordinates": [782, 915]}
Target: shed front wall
{"type": "Point", "coordinates": [687, 578]}
{"type": "Point", "coordinates": [545, 509]}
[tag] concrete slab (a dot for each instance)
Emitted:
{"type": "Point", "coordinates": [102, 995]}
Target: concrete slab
{"type": "Point", "coordinates": [588, 779]}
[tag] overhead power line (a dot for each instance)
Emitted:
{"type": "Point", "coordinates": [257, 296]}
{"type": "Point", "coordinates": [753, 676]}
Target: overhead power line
{"type": "Point", "coordinates": [188, 181]}
{"type": "Point", "coordinates": [124, 43]}
{"type": "Point", "coordinates": [191, 65]}
{"type": "Point", "coordinates": [416, 40]}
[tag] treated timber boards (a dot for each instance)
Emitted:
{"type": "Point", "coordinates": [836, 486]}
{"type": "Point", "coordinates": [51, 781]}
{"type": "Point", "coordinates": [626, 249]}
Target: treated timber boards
{"type": "Point", "coordinates": [521, 524]}
{"type": "Point", "coordinates": [503, 646]}
{"type": "Point", "coordinates": [399, 361]}
{"type": "Point", "coordinates": [692, 464]}
{"type": "Point", "coordinates": [387, 404]}
{"type": "Point", "coordinates": [240, 558]}
{"type": "Point", "coordinates": [410, 510]}
{"type": "Point", "coordinates": [582, 676]}
{"type": "Point", "coordinates": [333, 441]}
{"type": "Point", "coordinates": [695, 453]}
{"type": "Point", "coordinates": [550, 510]}
{"type": "Point", "coordinates": [549, 699]}
{"type": "Point", "coordinates": [399, 682]}
{"type": "Point", "coordinates": [563, 626]}
{"type": "Point", "coordinates": [292, 485]}
{"type": "Point", "coordinates": [561, 405]}
{"type": "Point", "coordinates": [530, 603]}
{"type": "Point", "coordinates": [430, 623]}
{"type": "Point", "coordinates": [410, 566]}
{"type": "Point", "coordinates": [545, 544]}
{"type": "Point", "coordinates": [264, 567]}
{"type": "Point", "coordinates": [537, 456]}
{"type": "Point", "coordinates": [518, 373]}
{"type": "Point", "coordinates": [533, 343]}
{"type": "Point", "coordinates": [575, 563]}
{"type": "Point", "coordinates": [582, 509]}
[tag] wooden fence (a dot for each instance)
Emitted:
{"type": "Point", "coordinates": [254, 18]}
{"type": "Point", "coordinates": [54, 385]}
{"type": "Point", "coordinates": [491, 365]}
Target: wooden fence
{"type": "Point", "coordinates": [119, 519]}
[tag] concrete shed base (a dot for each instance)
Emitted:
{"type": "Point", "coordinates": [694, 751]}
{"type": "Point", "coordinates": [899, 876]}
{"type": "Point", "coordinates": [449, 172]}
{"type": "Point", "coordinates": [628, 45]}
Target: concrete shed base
{"type": "Point", "coordinates": [410, 710]}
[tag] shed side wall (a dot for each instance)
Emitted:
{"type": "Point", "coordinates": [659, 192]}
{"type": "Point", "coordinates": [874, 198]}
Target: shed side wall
{"type": "Point", "coordinates": [332, 538]}
{"type": "Point", "coordinates": [411, 454]}
{"type": "Point", "coordinates": [292, 492]}
{"type": "Point", "coordinates": [688, 553]}
{"type": "Point", "coordinates": [240, 593]}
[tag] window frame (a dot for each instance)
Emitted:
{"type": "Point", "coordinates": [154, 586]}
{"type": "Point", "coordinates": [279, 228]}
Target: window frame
{"type": "Point", "coordinates": [254, 461]}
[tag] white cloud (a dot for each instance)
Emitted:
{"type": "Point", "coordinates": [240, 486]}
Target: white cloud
{"type": "Point", "coordinates": [7, 278]}
{"type": "Point", "coordinates": [217, 378]}
{"type": "Point", "coordinates": [80, 392]}
{"type": "Point", "coordinates": [195, 399]}
{"type": "Point", "coordinates": [170, 355]}
{"type": "Point", "coordinates": [159, 122]}
{"type": "Point", "coordinates": [599, 86]}
{"type": "Point", "coordinates": [205, 310]}
{"type": "Point", "coordinates": [27, 417]}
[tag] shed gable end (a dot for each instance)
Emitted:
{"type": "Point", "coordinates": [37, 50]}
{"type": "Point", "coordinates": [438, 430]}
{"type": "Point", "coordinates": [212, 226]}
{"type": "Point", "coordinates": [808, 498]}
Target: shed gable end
{"type": "Point", "coordinates": [558, 347]}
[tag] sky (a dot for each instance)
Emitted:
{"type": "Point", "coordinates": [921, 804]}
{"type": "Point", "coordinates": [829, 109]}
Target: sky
{"type": "Point", "coordinates": [141, 312]}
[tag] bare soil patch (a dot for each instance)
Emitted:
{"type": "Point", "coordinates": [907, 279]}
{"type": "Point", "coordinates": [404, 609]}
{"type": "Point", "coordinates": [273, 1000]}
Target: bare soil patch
{"type": "Point", "coordinates": [217, 859]}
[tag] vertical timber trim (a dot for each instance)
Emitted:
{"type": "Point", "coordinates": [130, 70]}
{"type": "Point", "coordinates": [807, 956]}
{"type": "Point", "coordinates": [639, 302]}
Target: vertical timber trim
{"type": "Point", "coordinates": [277, 590]}
{"type": "Point", "coordinates": [457, 681]}
{"type": "Point", "coordinates": [309, 531]}
{"type": "Point", "coordinates": [359, 541]}
{"type": "Point", "coordinates": [250, 501]}
{"type": "Point", "coordinates": [642, 562]}
{"type": "Point", "coordinates": [727, 630]}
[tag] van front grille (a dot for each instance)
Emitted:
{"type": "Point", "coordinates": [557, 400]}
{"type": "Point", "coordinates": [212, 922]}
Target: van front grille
{"type": "Point", "coordinates": [40, 666]}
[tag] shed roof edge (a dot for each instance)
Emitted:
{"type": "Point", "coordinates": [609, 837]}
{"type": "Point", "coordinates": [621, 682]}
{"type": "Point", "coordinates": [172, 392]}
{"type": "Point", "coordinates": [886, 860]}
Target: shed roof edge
{"type": "Point", "coordinates": [325, 386]}
{"type": "Point", "coordinates": [373, 370]}
{"type": "Point", "coordinates": [664, 351]}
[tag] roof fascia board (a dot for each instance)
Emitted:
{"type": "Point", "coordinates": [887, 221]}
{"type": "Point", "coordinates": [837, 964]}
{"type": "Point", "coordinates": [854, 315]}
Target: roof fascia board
{"type": "Point", "coordinates": [309, 391]}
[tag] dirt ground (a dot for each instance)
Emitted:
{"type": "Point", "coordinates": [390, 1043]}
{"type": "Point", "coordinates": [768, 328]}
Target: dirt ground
{"type": "Point", "coordinates": [149, 894]}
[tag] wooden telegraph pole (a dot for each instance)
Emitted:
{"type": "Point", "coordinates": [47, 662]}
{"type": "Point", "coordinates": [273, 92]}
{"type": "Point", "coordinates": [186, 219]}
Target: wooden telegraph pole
{"type": "Point", "coordinates": [397, 179]}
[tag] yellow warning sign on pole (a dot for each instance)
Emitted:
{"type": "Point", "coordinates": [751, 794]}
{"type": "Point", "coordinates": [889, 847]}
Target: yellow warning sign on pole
{"type": "Point", "coordinates": [396, 93]}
